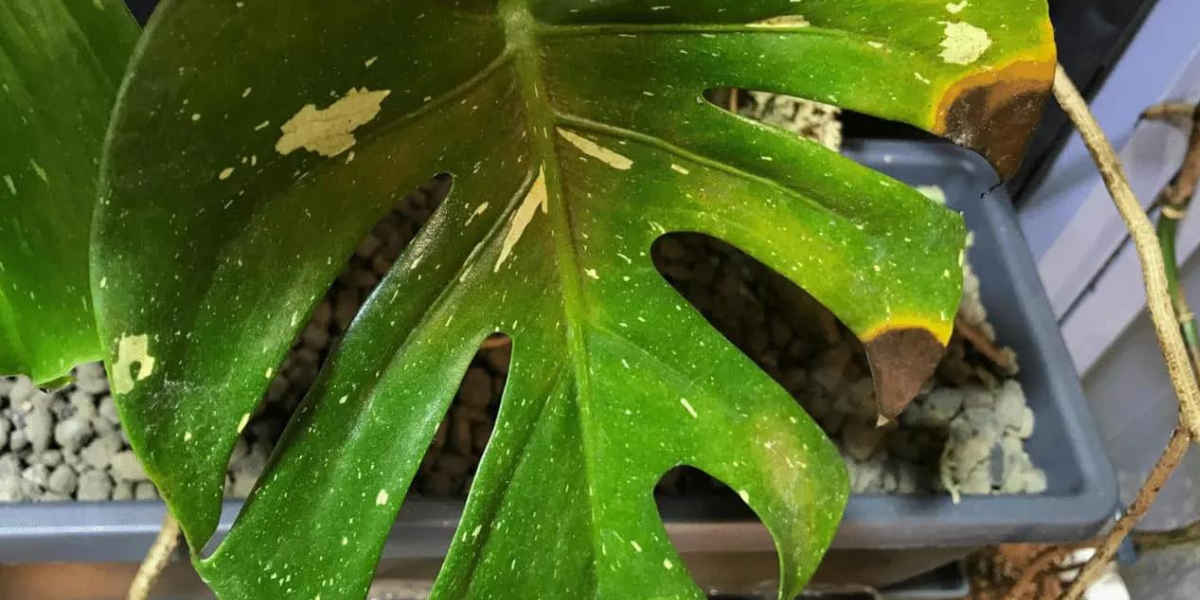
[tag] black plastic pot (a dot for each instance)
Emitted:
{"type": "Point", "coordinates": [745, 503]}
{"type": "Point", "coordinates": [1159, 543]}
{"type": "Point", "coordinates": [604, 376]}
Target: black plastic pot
{"type": "Point", "coordinates": [883, 539]}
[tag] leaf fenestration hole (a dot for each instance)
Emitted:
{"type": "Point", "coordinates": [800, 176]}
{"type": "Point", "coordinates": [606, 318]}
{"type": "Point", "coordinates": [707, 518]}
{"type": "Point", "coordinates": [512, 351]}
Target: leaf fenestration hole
{"type": "Point", "coordinates": [808, 352]}
{"type": "Point", "coordinates": [449, 465]}
{"type": "Point", "coordinates": [808, 119]}
{"type": "Point", "coordinates": [686, 494]}
{"type": "Point", "coordinates": [830, 126]}
{"type": "Point", "coordinates": [291, 381]}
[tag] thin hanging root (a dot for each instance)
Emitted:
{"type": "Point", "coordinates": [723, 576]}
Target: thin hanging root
{"type": "Point", "coordinates": [155, 561]}
{"type": "Point", "coordinates": [1158, 298]}
{"type": "Point", "coordinates": [1171, 457]}
{"type": "Point", "coordinates": [1154, 540]}
{"type": "Point", "coordinates": [1168, 307]}
{"type": "Point", "coordinates": [1168, 111]}
{"type": "Point", "coordinates": [1001, 359]}
{"type": "Point", "coordinates": [1040, 567]}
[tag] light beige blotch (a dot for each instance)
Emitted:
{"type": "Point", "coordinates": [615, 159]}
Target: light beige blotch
{"type": "Point", "coordinates": [131, 350]}
{"type": "Point", "coordinates": [782, 21]}
{"type": "Point", "coordinates": [596, 151]}
{"type": "Point", "coordinates": [381, 498]}
{"type": "Point", "coordinates": [964, 43]}
{"type": "Point", "coordinates": [330, 132]}
{"type": "Point", "coordinates": [535, 198]}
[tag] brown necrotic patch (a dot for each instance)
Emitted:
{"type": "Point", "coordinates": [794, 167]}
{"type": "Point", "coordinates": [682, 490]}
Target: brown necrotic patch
{"type": "Point", "coordinates": [994, 112]}
{"type": "Point", "coordinates": [902, 360]}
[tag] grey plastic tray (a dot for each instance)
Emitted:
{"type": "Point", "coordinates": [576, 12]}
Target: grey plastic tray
{"type": "Point", "coordinates": [900, 535]}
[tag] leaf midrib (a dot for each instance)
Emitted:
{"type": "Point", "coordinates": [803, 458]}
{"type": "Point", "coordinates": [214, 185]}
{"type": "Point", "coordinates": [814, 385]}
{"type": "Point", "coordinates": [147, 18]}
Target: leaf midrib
{"type": "Point", "coordinates": [520, 30]}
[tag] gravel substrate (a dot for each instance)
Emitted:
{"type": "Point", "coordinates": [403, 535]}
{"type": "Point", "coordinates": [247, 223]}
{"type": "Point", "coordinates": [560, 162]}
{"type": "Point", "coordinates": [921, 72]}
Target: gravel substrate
{"type": "Point", "coordinates": [964, 435]}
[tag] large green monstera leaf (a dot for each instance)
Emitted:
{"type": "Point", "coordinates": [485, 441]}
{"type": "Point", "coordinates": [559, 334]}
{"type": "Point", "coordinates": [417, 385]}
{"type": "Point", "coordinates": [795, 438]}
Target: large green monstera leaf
{"type": "Point", "coordinates": [257, 142]}
{"type": "Point", "coordinates": [60, 64]}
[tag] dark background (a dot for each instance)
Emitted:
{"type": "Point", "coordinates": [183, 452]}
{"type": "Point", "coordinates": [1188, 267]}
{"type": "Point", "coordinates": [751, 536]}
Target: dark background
{"type": "Point", "coordinates": [1091, 35]}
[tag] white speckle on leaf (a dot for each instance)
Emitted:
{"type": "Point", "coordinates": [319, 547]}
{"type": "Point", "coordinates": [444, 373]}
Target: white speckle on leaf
{"type": "Point", "coordinates": [596, 151]}
{"type": "Point", "coordinates": [592, 273]}
{"type": "Point", "coordinates": [636, 546]}
{"type": "Point", "coordinates": [954, 9]}
{"type": "Point", "coordinates": [667, 564]}
{"type": "Point", "coordinates": [381, 498]}
{"type": "Point", "coordinates": [744, 495]}
{"type": "Point", "coordinates": [225, 174]}
{"type": "Point", "coordinates": [131, 350]}
{"type": "Point", "coordinates": [688, 406]}
{"type": "Point", "coordinates": [245, 421]}
{"type": "Point", "coordinates": [370, 61]}
{"type": "Point", "coordinates": [537, 197]}
{"type": "Point", "coordinates": [187, 436]}
{"type": "Point", "coordinates": [12, 187]}
{"type": "Point", "coordinates": [679, 169]}
{"type": "Point", "coordinates": [964, 43]}
{"type": "Point", "coordinates": [329, 132]}
{"type": "Point", "coordinates": [41, 173]}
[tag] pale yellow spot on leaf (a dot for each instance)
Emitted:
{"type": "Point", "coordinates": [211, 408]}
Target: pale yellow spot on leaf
{"type": "Point", "coordinates": [688, 406]}
{"type": "Point", "coordinates": [596, 151]}
{"type": "Point", "coordinates": [782, 21]}
{"type": "Point", "coordinates": [537, 197]}
{"type": "Point", "coordinates": [329, 132]}
{"type": "Point", "coordinates": [964, 43]}
{"type": "Point", "coordinates": [479, 210]}
{"type": "Point", "coordinates": [381, 498]}
{"type": "Point", "coordinates": [132, 350]}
